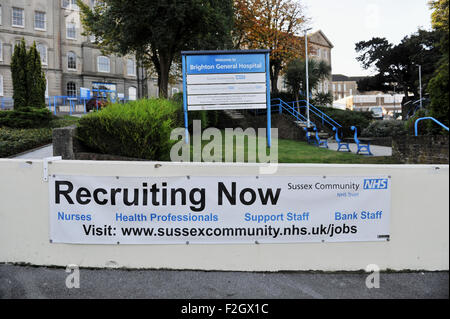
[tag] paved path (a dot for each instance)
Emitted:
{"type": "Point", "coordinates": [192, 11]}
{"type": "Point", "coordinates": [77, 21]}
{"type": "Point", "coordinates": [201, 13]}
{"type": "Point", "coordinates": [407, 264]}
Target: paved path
{"type": "Point", "coordinates": [376, 150]}
{"type": "Point", "coordinates": [41, 282]}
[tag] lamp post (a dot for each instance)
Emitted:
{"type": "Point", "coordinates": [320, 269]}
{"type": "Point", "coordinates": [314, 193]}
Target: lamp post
{"type": "Point", "coordinates": [308, 122]}
{"type": "Point", "coordinates": [420, 85]}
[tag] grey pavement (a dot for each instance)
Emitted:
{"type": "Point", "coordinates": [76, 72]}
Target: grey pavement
{"type": "Point", "coordinates": [42, 282]}
{"type": "Point", "coordinates": [39, 153]}
{"type": "Point", "coordinates": [375, 149]}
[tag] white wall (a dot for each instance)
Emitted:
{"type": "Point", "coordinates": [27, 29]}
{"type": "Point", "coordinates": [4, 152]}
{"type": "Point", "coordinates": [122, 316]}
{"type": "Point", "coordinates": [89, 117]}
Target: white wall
{"type": "Point", "coordinates": [419, 222]}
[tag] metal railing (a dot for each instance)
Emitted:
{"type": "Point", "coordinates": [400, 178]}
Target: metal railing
{"type": "Point", "coordinates": [427, 118]}
{"type": "Point", "coordinates": [318, 113]}
{"type": "Point", "coordinates": [288, 108]}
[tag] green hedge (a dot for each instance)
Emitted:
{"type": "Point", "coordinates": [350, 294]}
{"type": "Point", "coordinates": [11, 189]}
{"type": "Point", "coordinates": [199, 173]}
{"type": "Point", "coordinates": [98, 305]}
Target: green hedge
{"type": "Point", "coordinates": [26, 118]}
{"type": "Point", "coordinates": [14, 141]}
{"type": "Point", "coordinates": [139, 129]}
{"type": "Point", "coordinates": [387, 128]}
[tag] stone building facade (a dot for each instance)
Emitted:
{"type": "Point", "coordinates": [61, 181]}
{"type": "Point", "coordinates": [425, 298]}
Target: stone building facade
{"type": "Point", "coordinates": [69, 59]}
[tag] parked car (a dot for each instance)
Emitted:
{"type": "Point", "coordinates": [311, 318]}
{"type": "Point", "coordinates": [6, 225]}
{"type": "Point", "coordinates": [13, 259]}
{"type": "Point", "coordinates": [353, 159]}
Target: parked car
{"type": "Point", "coordinates": [377, 112]}
{"type": "Point", "coordinates": [95, 103]}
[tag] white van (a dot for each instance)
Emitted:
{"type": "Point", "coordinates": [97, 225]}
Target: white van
{"type": "Point", "coordinates": [377, 111]}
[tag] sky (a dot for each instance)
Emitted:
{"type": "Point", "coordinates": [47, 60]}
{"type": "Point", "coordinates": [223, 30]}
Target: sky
{"type": "Point", "coordinates": [346, 22]}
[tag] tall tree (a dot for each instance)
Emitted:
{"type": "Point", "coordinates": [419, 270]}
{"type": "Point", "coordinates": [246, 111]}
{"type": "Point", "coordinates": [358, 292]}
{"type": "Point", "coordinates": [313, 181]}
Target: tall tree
{"type": "Point", "coordinates": [156, 31]}
{"type": "Point", "coordinates": [438, 86]}
{"type": "Point", "coordinates": [35, 79]}
{"type": "Point", "coordinates": [19, 75]}
{"type": "Point", "coordinates": [27, 77]}
{"type": "Point", "coordinates": [270, 24]}
{"type": "Point", "coordinates": [398, 64]}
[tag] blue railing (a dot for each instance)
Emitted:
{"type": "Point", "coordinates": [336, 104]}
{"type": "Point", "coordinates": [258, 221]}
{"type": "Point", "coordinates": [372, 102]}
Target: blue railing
{"type": "Point", "coordinates": [318, 113]}
{"type": "Point", "coordinates": [427, 118]}
{"type": "Point", "coordinates": [288, 108]}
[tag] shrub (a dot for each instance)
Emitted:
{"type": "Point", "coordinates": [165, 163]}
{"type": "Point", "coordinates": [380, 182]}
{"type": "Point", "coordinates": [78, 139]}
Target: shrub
{"type": "Point", "coordinates": [348, 119]}
{"type": "Point", "coordinates": [139, 129]}
{"type": "Point", "coordinates": [25, 118]}
{"type": "Point", "coordinates": [208, 118]}
{"type": "Point", "coordinates": [410, 123]}
{"type": "Point", "coordinates": [385, 129]}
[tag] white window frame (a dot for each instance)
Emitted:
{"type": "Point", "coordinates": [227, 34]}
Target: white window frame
{"type": "Point", "coordinates": [23, 18]}
{"type": "Point", "coordinates": [68, 67]}
{"type": "Point", "coordinates": [69, 4]}
{"type": "Point", "coordinates": [98, 64]}
{"type": "Point", "coordinates": [132, 68]}
{"type": "Point", "coordinates": [1, 14]}
{"type": "Point", "coordinates": [45, 20]}
{"type": "Point", "coordinates": [1, 85]}
{"type": "Point", "coordinates": [43, 61]}
{"type": "Point", "coordinates": [69, 28]}
{"type": "Point", "coordinates": [135, 93]}
{"type": "Point", "coordinates": [1, 51]}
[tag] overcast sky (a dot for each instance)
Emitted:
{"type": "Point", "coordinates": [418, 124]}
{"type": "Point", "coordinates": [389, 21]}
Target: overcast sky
{"type": "Point", "coordinates": [346, 22]}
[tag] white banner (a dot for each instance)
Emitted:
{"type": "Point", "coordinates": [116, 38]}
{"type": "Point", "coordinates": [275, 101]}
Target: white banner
{"type": "Point", "coordinates": [214, 210]}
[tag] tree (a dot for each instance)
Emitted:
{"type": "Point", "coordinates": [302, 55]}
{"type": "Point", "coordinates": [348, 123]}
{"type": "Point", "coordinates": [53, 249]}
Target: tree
{"type": "Point", "coordinates": [28, 78]}
{"type": "Point", "coordinates": [398, 64]}
{"type": "Point", "coordinates": [296, 75]}
{"type": "Point", "coordinates": [323, 99]}
{"type": "Point", "coordinates": [438, 86]}
{"type": "Point", "coordinates": [19, 75]}
{"type": "Point", "coordinates": [35, 79]}
{"type": "Point", "coordinates": [156, 31]}
{"type": "Point", "coordinates": [270, 24]}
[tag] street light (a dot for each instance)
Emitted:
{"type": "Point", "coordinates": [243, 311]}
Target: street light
{"type": "Point", "coordinates": [420, 85]}
{"type": "Point", "coordinates": [308, 122]}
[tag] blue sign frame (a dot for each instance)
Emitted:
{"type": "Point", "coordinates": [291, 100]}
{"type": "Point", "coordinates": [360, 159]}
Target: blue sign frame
{"type": "Point", "coordinates": [222, 62]}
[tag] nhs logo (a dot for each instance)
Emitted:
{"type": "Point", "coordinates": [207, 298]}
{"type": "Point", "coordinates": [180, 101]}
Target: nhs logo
{"type": "Point", "coordinates": [376, 183]}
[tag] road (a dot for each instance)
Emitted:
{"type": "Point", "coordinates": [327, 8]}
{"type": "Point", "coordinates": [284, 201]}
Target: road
{"type": "Point", "coordinates": [42, 282]}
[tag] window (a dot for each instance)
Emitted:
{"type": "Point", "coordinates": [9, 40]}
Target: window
{"type": "Point", "coordinates": [320, 87]}
{"type": "Point", "coordinates": [71, 61]}
{"type": "Point", "coordinates": [70, 4]}
{"type": "Point", "coordinates": [319, 52]}
{"type": "Point", "coordinates": [17, 17]}
{"type": "Point", "coordinates": [42, 49]}
{"type": "Point", "coordinates": [46, 87]}
{"type": "Point", "coordinates": [1, 51]}
{"type": "Point", "coordinates": [131, 67]}
{"type": "Point", "coordinates": [71, 31]}
{"type": "Point", "coordinates": [103, 64]}
{"type": "Point", "coordinates": [39, 20]}
{"type": "Point", "coordinates": [71, 89]}
{"type": "Point", "coordinates": [1, 14]}
{"type": "Point", "coordinates": [1, 85]}
{"type": "Point", "coordinates": [345, 87]}
{"type": "Point", "coordinates": [132, 93]}
{"type": "Point", "coordinates": [339, 88]}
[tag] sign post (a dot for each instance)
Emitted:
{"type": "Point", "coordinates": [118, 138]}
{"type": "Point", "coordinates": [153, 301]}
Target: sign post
{"type": "Point", "coordinates": [226, 80]}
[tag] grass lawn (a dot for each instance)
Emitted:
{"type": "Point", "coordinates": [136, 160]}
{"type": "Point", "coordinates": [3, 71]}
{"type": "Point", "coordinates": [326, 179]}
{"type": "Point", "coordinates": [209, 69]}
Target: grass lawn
{"type": "Point", "coordinates": [290, 151]}
{"type": "Point", "coordinates": [14, 141]}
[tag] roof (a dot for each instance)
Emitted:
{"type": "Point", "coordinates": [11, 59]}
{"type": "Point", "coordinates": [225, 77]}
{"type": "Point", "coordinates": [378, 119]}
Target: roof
{"type": "Point", "coordinates": [321, 34]}
{"type": "Point", "coordinates": [344, 78]}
